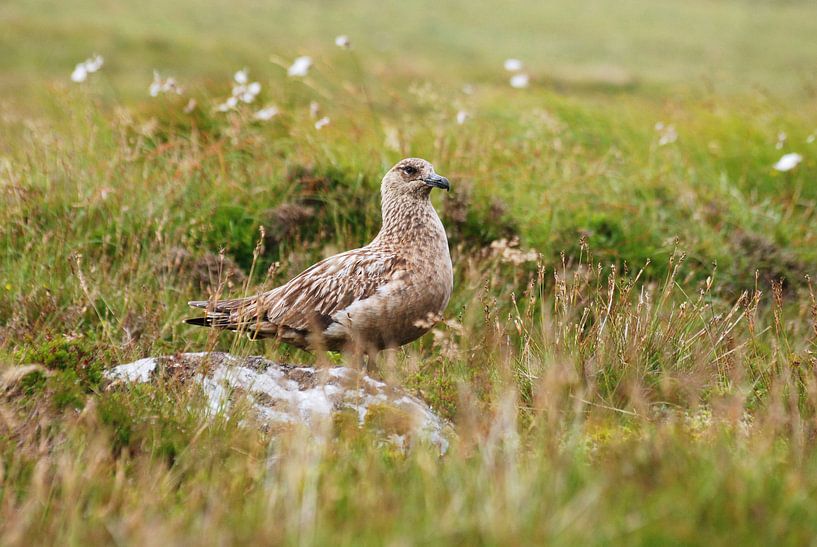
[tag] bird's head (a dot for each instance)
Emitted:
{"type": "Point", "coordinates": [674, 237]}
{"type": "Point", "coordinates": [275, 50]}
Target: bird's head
{"type": "Point", "coordinates": [412, 177]}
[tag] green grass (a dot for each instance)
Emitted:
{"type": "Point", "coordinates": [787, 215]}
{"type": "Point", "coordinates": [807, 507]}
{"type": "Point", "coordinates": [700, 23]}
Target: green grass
{"type": "Point", "coordinates": [649, 380]}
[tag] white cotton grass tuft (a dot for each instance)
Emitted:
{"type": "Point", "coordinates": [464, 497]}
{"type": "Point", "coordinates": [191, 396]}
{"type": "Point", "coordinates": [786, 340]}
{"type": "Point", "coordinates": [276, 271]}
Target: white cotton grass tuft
{"type": "Point", "coordinates": [510, 252]}
{"type": "Point", "coordinates": [266, 113]}
{"type": "Point", "coordinates": [788, 162]}
{"type": "Point", "coordinates": [462, 117]}
{"type": "Point", "coordinates": [666, 133]}
{"type": "Point", "coordinates": [781, 140]}
{"type": "Point", "coordinates": [190, 106]}
{"type": "Point", "coordinates": [228, 105]}
{"type": "Point", "coordinates": [323, 122]}
{"type": "Point", "coordinates": [243, 90]}
{"type": "Point", "coordinates": [512, 65]}
{"type": "Point", "coordinates": [343, 41]}
{"type": "Point", "coordinates": [300, 66]}
{"type": "Point", "coordinates": [94, 63]}
{"type": "Point", "coordinates": [520, 81]}
{"type": "Point", "coordinates": [86, 67]}
{"type": "Point", "coordinates": [163, 85]}
{"type": "Point", "coordinates": [80, 74]}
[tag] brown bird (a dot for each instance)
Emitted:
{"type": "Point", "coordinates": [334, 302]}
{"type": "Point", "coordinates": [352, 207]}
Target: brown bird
{"type": "Point", "coordinates": [383, 295]}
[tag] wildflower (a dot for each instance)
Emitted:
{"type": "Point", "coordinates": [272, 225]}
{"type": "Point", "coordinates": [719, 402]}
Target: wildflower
{"type": "Point", "coordinates": [300, 66]}
{"type": "Point", "coordinates": [8, 286]}
{"type": "Point", "coordinates": [314, 109]}
{"type": "Point", "coordinates": [160, 85]}
{"type": "Point", "coordinates": [343, 41]}
{"type": "Point", "coordinates": [788, 162]}
{"type": "Point", "coordinates": [668, 135]}
{"type": "Point", "coordinates": [323, 122]}
{"type": "Point", "coordinates": [462, 117]}
{"type": "Point", "coordinates": [513, 65]}
{"type": "Point", "coordinates": [520, 81]}
{"type": "Point", "coordinates": [781, 140]}
{"type": "Point", "coordinates": [241, 76]}
{"type": "Point", "coordinates": [266, 113]}
{"type": "Point", "coordinates": [86, 67]}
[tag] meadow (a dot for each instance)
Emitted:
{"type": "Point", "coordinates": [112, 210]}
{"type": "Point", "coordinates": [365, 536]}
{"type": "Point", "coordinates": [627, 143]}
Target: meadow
{"type": "Point", "coordinates": [630, 354]}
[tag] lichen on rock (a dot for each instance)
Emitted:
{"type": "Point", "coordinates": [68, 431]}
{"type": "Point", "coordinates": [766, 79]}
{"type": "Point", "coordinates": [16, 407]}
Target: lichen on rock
{"type": "Point", "coordinates": [286, 394]}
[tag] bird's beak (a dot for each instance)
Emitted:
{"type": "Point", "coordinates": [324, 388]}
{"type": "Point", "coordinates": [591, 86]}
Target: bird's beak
{"type": "Point", "coordinates": [437, 181]}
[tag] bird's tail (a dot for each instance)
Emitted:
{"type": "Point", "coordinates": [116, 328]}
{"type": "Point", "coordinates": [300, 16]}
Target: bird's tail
{"type": "Point", "coordinates": [225, 314]}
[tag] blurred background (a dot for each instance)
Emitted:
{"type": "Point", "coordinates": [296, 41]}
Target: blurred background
{"type": "Point", "coordinates": [725, 45]}
{"type": "Point", "coordinates": [595, 122]}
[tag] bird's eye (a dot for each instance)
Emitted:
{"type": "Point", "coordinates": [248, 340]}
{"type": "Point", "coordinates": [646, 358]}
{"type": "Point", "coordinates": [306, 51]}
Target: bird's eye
{"type": "Point", "coordinates": [409, 170]}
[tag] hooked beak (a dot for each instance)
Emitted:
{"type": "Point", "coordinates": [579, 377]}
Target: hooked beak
{"type": "Point", "coordinates": [437, 181]}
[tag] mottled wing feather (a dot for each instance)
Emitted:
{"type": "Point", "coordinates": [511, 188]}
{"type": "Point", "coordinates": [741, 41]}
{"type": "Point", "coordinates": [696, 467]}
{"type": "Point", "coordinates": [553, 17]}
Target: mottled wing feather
{"type": "Point", "coordinates": [311, 299]}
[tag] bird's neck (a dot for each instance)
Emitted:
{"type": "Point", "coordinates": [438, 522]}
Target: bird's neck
{"type": "Point", "coordinates": [407, 219]}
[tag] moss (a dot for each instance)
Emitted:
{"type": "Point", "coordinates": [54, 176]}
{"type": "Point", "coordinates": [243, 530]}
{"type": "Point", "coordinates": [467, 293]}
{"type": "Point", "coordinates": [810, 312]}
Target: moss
{"type": "Point", "coordinates": [389, 419]}
{"type": "Point", "coordinates": [78, 359]}
{"type": "Point", "coordinates": [324, 204]}
{"type": "Point", "coordinates": [235, 229]}
{"type": "Point", "coordinates": [147, 419]}
{"type": "Point", "coordinates": [613, 238]}
{"type": "Point", "coordinates": [114, 412]}
{"type": "Point", "coordinates": [60, 353]}
{"type": "Point", "coordinates": [66, 390]}
{"type": "Point", "coordinates": [345, 421]}
{"type": "Point", "coordinates": [33, 383]}
{"type": "Point", "coordinates": [475, 223]}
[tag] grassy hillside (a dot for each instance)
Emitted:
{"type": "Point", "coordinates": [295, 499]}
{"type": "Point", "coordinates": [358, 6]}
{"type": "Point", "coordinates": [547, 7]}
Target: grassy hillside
{"type": "Point", "coordinates": [629, 355]}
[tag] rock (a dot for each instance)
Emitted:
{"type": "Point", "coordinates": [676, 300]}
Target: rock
{"type": "Point", "coordinates": [286, 394]}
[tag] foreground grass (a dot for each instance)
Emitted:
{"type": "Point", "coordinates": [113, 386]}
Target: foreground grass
{"type": "Point", "coordinates": [629, 355]}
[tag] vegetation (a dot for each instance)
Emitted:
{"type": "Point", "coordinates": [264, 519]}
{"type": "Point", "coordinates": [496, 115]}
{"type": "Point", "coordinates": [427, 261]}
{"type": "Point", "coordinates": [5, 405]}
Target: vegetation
{"type": "Point", "coordinates": [630, 355]}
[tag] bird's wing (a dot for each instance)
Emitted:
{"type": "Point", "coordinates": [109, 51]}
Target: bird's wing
{"type": "Point", "coordinates": [311, 299]}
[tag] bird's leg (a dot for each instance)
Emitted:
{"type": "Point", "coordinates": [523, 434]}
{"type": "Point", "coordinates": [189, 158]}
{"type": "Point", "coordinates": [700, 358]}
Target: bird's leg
{"type": "Point", "coordinates": [372, 369]}
{"type": "Point", "coordinates": [357, 359]}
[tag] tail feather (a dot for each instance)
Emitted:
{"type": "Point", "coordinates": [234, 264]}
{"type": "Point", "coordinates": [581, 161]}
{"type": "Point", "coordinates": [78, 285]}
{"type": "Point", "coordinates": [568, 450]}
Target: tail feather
{"type": "Point", "coordinates": [200, 321]}
{"type": "Point", "coordinates": [222, 305]}
{"type": "Point", "coordinates": [214, 321]}
{"type": "Point", "coordinates": [223, 314]}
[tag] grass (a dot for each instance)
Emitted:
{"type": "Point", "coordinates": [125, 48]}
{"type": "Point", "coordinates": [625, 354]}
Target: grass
{"type": "Point", "coordinates": [648, 378]}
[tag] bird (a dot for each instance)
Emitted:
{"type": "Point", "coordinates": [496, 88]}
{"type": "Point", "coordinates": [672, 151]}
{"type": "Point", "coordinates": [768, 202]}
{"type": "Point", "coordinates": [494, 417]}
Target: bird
{"type": "Point", "coordinates": [380, 296]}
